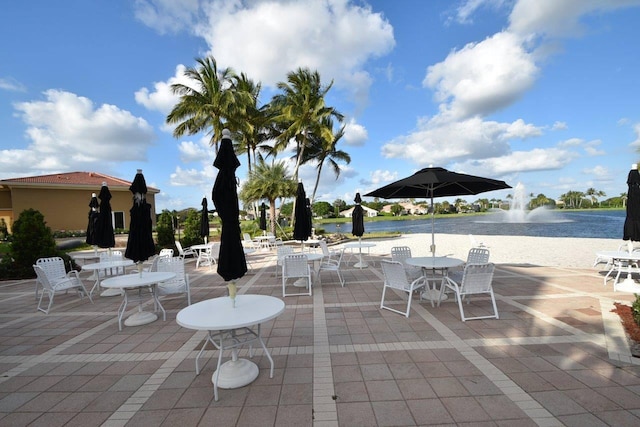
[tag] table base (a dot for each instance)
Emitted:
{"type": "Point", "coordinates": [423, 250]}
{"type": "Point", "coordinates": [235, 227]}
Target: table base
{"type": "Point", "coordinates": [433, 295]}
{"type": "Point", "coordinates": [628, 285]}
{"type": "Point", "coordinates": [361, 264]}
{"type": "Point", "coordinates": [111, 293]}
{"type": "Point", "coordinates": [140, 318]}
{"type": "Point", "coordinates": [235, 374]}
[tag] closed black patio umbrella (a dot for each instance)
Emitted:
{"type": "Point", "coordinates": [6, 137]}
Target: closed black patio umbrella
{"type": "Point", "coordinates": [301, 225]}
{"type": "Point", "coordinates": [104, 236]}
{"type": "Point", "coordinates": [357, 218]}
{"type": "Point", "coordinates": [232, 264]}
{"type": "Point", "coordinates": [204, 220]}
{"type": "Point", "coordinates": [263, 217]}
{"type": "Point", "coordinates": [93, 219]}
{"type": "Point", "coordinates": [632, 221]}
{"type": "Point", "coordinates": [140, 244]}
{"type": "Point", "coordinates": [437, 182]}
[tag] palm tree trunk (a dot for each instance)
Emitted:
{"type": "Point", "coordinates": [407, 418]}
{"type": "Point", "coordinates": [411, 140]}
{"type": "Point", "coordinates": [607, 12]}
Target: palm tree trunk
{"type": "Point", "coordinates": [315, 187]}
{"type": "Point", "coordinates": [272, 212]}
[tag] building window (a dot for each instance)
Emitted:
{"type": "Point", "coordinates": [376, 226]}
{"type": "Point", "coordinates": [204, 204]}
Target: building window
{"type": "Point", "coordinates": [118, 220]}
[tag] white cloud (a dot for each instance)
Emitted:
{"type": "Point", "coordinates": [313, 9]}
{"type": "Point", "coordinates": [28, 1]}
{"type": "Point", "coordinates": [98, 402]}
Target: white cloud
{"type": "Point", "coordinates": [559, 126]}
{"type": "Point", "coordinates": [68, 132]}
{"type": "Point", "coordinates": [636, 142]}
{"type": "Point", "coordinates": [538, 159]}
{"type": "Point", "coordinates": [268, 39]}
{"type": "Point", "coordinates": [328, 180]}
{"type": "Point", "coordinates": [379, 177]}
{"type": "Point", "coordinates": [482, 78]}
{"type": "Point", "coordinates": [354, 134]}
{"type": "Point", "coordinates": [162, 98]}
{"type": "Point", "coordinates": [167, 16]}
{"type": "Point", "coordinates": [11, 84]}
{"type": "Point", "coordinates": [558, 18]}
{"type": "Point", "coordinates": [196, 152]}
{"type": "Point", "coordinates": [469, 7]}
{"type": "Point", "coordinates": [571, 142]}
{"type": "Point", "coordinates": [439, 144]}
{"type": "Point", "coordinates": [600, 172]}
{"type": "Point", "coordinates": [591, 148]}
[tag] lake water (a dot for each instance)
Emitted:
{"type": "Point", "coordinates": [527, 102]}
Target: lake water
{"type": "Point", "coordinates": [596, 224]}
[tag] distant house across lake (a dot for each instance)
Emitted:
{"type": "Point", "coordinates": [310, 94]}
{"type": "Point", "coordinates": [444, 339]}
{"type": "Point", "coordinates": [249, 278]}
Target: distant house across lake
{"type": "Point", "coordinates": [64, 198]}
{"type": "Point", "coordinates": [368, 212]}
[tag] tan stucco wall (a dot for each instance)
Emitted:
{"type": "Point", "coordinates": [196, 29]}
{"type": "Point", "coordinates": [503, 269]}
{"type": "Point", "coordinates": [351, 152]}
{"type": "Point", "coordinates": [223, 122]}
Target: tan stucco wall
{"type": "Point", "coordinates": [65, 209]}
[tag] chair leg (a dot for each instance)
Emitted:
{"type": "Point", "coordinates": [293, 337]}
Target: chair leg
{"type": "Point", "coordinates": [495, 307]}
{"type": "Point", "coordinates": [408, 304]}
{"type": "Point", "coordinates": [459, 298]}
{"type": "Point", "coordinates": [51, 295]}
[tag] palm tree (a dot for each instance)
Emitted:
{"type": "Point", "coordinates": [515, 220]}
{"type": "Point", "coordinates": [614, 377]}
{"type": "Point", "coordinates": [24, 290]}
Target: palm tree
{"type": "Point", "coordinates": [268, 181]}
{"type": "Point", "coordinates": [298, 111]}
{"type": "Point", "coordinates": [206, 104]}
{"type": "Point", "coordinates": [253, 123]}
{"type": "Point", "coordinates": [321, 150]}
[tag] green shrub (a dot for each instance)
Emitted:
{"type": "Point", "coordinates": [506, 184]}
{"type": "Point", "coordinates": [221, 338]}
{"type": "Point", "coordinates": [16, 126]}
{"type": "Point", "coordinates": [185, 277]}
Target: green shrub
{"type": "Point", "coordinates": [191, 231]}
{"type": "Point", "coordinates": [636, 308]}
{"type": "Point", "coordinates": [164, 229]}
{"type": "Point", "coordinates": [31, 239]}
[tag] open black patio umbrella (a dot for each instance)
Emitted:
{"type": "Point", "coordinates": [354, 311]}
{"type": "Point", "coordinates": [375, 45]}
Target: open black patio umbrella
{"type": "Point", "coordinates": [437, 182]}
{"type": "Point", "coordinates": [231, 262]}
{"type": "Point", "coordinates": [104, 237]}
{"type": "Point", "coordinates": [204, 220]}
{"type": "Point", "coordinates": [301, 225]}
{"type": "Point", "coordinates": [263, 217]}
{"type": "Point", "coordinates": [357, 218]}
{"type": "Point", "coordinates": [93, 219]}
{"type": "Point", "coordinates": [140, 244]}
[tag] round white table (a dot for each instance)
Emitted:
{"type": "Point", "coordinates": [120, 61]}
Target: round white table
{"type": "Point", "coordinates": [228, 327]}
{"type": "Point", "coordinates": [621, 262]}
{"type": "Point", "coordinates": [85, 256]}
{"type": "Point", "coordinates": [106, 265]}
{"type": "Point", "coordinates": [433, 263]}
{"type": "Point", "coordinates": [138, 281]}
{"type": "Point", "coordinates": [360, 245]}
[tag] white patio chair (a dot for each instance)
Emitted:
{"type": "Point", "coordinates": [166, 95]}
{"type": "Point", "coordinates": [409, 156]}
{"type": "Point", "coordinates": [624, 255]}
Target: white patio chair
{"type": "Point", "coordinates": [474, 256]}
{"type": "Point", "coordinates": [209, 256]}
{"type": "Point", "coordinates": [282, 251]}
{"type": "Point", "coordinates": [332, 264]}
{"type": "Point", "coordinates": [274, 242]}
{"type": "Point", "coordinates": [327, 253]}
{"type": "Point", "coordinates": [178, 285]}
{"type": "Point", "coordinates": [401, 253]}
{"type": "Point", "coordinates": [248, 243]}
{"type": "Point", "coordinates": [166, 252]}
{"type": "Point", "coordinates": [53, 278]}
{"type": "Point", "coordinates": [476, 280]}
{"type": "Point", "coordinates": [113, 256]}
{"type": "Point", "coordinates": [395, 277]}
{"type": "Point", "coordinates": [185, 252]}
{"type": "Point", "coordinates": [296, 267]}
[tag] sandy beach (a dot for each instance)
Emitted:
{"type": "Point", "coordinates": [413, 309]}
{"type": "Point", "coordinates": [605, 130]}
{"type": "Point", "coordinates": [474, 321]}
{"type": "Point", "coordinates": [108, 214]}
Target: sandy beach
{"type": "Point", "coordinates": [542, 251]}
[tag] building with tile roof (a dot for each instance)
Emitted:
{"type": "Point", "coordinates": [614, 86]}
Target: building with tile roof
{"type": "Point", "coordinates": [64, 198]}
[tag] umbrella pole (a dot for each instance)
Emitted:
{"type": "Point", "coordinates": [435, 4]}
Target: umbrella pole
{"type": "Point", "coordinates": [433, 240]}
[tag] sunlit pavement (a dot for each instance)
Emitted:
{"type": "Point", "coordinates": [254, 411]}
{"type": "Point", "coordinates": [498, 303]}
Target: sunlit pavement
{"type": "Point", "coordinates": [557, 356]}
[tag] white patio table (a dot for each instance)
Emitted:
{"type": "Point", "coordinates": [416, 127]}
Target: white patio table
{"type": "Point", "coordinates": [622, 262]}
{"type": "Point", "coordinates": [359, 245]}
{"type": "Point", "coordinates": [433, 263]}
{"type": "Point", "coordinates": [97, 266]}
{"type": "Point", "coordinates": [138, 281]}
{"type": "Point", "coordinates": [229, 327]}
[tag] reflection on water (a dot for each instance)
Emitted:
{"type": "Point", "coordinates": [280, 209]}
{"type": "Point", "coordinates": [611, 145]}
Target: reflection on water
{"type": "Point", "coordinates": [598, 224]}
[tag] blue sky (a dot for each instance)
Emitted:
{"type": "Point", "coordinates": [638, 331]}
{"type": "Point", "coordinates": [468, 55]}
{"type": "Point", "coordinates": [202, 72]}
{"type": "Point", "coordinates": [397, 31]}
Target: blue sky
{"type": "Point", "coordinates": [542, 92]}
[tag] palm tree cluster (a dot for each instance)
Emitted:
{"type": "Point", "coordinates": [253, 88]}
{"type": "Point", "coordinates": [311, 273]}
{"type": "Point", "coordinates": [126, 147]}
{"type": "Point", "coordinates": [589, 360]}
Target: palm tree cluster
{"type": "Point", "coordinates": [215, 99]}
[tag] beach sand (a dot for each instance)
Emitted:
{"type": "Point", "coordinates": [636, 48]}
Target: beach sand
{"type": "Point", "coordinates": [542, 251]}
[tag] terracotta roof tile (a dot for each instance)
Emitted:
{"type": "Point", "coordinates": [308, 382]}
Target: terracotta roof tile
{"type": "Point", "coordinates": [93, 179]}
